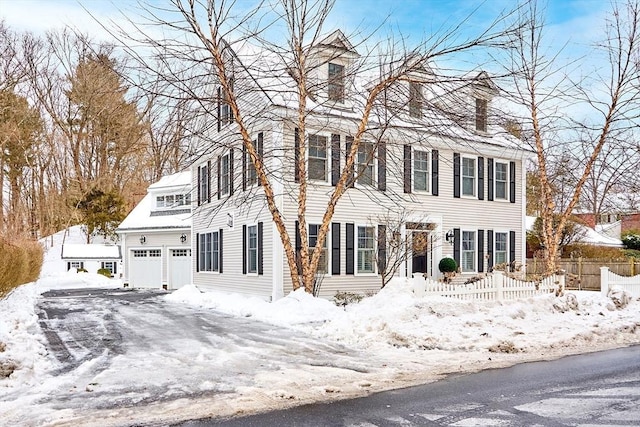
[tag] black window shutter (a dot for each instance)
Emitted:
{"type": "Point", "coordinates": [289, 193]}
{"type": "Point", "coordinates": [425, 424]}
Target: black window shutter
{"type": "Point", "coordinates": [209, 181]}
{"type": "Point", "coordinates": [260, 247]}
{"type": "Point", "coordinates": [382, 248]}
{"type": "Point", "coordinates": [244, 249]}
{"type": "Point", "coordinates": [197, 252]}
{"type": "Point", "coordinates": [335, 159]}
{"type": "Point", "coordinates": [296, 155]}
{"type": "Point", "coordinates": [349, 264]}
{"type": "Point", "coordinates": [435, 170]}
{"type": "Point", "coordinates": [407, 169]}
{"type": "Point", "coordinates": [68, 266]}
{"type": "Point", "coordinates": [199, 184]}
{"type": "Point", "coordinates": [260, 152]}
{"type": "Point", "coordinates": [512, 182]}
{"type": "Point", "coordinates": [382, 166]}
{"type": "Point", "coordinates": [298, 247]}
{"type": "Point", "coordinates": [480, 251]}
{"type": "Point", "coordinates": [490, 179]}
{"type": "Point", "coordinates": [512, 248]}
{"type": "Point", "coordinates": [335, 248]}
{"type": "Point", "coordinates": [490, 249]}
{"type": "Point", "coordinates": [219, 109]}
{"type": "Point", "coordinates": [115, 267]}
{"type": "Point", "coordinates": [348, 144]}
{"type": "Point", "coordinates": [481, 178]}
{"type": "Point", "coordinates": [456, 175]}
{"type": "Point", "coordinates": [220, 240]}
{"type": "Point", "coordinates": [456, 245]}
{"type": "Point", "coordinates": [244, 167]}
{"type": "Point", "coordinates": [219, 161]}
{"type": "Point", "coordinates": [231, 174]}
{"type": "Point", "coordinates": [231, 117]}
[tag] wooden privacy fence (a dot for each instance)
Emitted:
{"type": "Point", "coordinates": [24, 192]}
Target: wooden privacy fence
{"type": "Point", "coordinates": [610, 279]}
{"type": "Point", "coordinates": [584, 273]}
{"type": "Point", "coordinates": [495, 286]}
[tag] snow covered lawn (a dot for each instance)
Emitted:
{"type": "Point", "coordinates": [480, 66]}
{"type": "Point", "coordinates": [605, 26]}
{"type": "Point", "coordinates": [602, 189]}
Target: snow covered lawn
{"type": "Point", "coordinates": [389, 340]}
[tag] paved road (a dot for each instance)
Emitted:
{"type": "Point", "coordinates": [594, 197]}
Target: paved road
{"type": "Point", "coordinates": [598, 389]}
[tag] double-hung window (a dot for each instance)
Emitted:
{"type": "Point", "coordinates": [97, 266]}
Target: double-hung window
{"type": "Point", "coordinates": [209, 252]}
{"type": "Point", "coordinates": [501, 180]}
{"type": "Point", "coordinates": [366, 165]}
{"type": "Point", "coordinates": [420, 171]}
{"type": "Point", "coordinates": [318, 163]}
{"type": "Point", "coordinates": [252, 176]}
{"type": "Point", "coordinates": [366, 250]}
{"type": "Point", "coordinates": [252, 249]}
{"type": "Point", "coordinates": [500, 253]}
{"type": "Point", "coordinates": [313, 240]}
{"type": "Point", "coordinates": [160, 201]}
{"type": "Point", "coordinates": [336, 82]}
{"type": "Point", "coordinates": [224, 175]}
{"type": "Point", "coordinates": [415, 100]}
{"type": "Point", "coordinates": [468, 176]}
{"type": "Point", "coordinates": [109, 265]}
{"type": "Point", "coordinates": [468, 252]}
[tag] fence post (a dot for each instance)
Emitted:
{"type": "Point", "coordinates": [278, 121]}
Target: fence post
{"type": "Point", "coordinates": [604, 281]}
{"type": "Point", "coordinates": [498, 282]}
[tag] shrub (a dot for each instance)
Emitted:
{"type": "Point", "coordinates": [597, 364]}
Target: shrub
{"type": "Point", "coordinates": [631, 240]}
{"type": "Point", "coordinates": [104, 272]}
{"type": "Point", "coordinates": [342, 299]}
{"type": "Point", "coordinates": [82, 270]}
{"type": "Point", "coordinates": [22, 261]}
{"type": "Point", "coordinates": [448, 265]}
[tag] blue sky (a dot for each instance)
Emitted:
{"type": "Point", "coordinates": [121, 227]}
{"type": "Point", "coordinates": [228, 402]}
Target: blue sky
{"type": "Point", "coordinates": [571, 18]}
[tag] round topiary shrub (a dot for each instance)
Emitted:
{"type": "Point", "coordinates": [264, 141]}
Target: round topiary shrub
{"type": "Point", "coordinates": [448, 265]}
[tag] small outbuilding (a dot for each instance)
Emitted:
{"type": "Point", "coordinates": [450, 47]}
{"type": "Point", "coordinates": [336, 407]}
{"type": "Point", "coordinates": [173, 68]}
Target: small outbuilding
{"type": "Point", "coordinates": [91, 257]}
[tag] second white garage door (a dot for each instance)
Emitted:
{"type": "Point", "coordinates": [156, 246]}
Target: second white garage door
{"type": "Point", "coordinates": [145, 268]}
{"type": "Point", "coordinates": [179, 268]}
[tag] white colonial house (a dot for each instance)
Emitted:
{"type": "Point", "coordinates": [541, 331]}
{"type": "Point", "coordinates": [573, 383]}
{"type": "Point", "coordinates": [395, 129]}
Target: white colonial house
{"type": "Point", "coordinates": [456, 181]}
{"type": "Point", "coordinates": [156, 236]}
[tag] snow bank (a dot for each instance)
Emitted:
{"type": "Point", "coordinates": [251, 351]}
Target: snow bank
{"type": "Point", "coordinates": [295, 309]}
{"type": "Point", "coordinates": [22, 350]}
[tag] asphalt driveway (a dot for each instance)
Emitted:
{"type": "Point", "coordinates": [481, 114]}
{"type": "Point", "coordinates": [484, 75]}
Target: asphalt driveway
{"type": "Point", "coordinates": [126, 354]}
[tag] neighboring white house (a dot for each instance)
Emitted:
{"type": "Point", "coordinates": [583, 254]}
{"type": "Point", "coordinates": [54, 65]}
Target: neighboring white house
{"type": "Point", "coordinates": [92, 257]}
{"type": "Point", "coordinates": [156, 236]}
{"type": "Point", "coordinates": [459, 183]}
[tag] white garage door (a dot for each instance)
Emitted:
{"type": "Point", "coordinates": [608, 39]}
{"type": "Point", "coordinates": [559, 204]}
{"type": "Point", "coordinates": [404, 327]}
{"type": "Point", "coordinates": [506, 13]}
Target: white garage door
{"type": "Point", "coordinates": [179, 268]}
{"type": "Point", "coordinates": [145, 268]}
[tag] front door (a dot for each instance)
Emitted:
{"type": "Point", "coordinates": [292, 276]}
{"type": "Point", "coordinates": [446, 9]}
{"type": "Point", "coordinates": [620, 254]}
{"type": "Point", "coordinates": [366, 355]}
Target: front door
{"type": "Point", "coordinates": [420, 252]}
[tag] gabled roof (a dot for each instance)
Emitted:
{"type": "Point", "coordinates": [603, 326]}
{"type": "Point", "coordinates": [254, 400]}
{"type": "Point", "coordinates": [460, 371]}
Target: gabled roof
{"type": "Point", "coordinates": [337, 40]}
{"type": "Point", "coordinates": [93, 252]}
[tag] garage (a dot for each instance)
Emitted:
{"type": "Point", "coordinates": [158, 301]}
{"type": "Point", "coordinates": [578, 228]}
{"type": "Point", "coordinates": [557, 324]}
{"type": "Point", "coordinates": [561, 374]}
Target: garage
{"type": "Point", "coordinates": [179, 268]}
{"type": "Point", "coordinates": [145, 268]}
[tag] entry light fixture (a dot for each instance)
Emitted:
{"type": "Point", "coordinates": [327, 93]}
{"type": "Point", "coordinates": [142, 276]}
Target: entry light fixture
{"type": "Point", "coordinates": [449, 236]}
{"type": "Point", "coordinates": [183, 238]}
{"type": "Point", "coordinates": [143, 240]}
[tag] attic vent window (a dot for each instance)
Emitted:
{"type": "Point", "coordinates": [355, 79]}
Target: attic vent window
{"type": "Point", "coordinates": [481, 114]}
{"type": "Point", "coordinates": [336, 82]}
{"type": "Point", "coordinates": [415, 100]}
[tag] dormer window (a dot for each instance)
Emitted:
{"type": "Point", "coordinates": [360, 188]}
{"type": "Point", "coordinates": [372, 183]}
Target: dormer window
{"type": "Point", "coordinates": [415, 100]}
{"type": "Point", "coordinates": [336, 82]}
{"type": "Point", "coordinates": [481, 114]}
{"type": "Point", "coordinates": [172, 200]}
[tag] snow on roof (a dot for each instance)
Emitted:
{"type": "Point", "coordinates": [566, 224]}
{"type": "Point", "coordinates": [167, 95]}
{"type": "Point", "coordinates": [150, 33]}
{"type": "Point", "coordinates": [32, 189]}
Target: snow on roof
{"type": "Point", "coordinates": [140, 218]}
{"type": "Point", "coordinates": [84, 251]}
{"type": "Point", "coordinates": [587, 235]}
{"type": "Point", "coordinates": [178, 180]}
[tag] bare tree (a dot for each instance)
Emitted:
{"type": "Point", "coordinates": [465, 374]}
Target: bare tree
{"type": "Point", "coordinates": [211, 44]}
{"type": "Point", "coordinates": [544, 92]}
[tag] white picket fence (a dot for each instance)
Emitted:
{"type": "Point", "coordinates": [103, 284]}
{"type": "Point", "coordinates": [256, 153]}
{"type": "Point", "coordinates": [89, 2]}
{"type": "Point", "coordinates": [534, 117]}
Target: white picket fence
{"type": "Point", "coordinates": [609, 279]}
{"type": "Point", "coordinates": [494, 287]}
